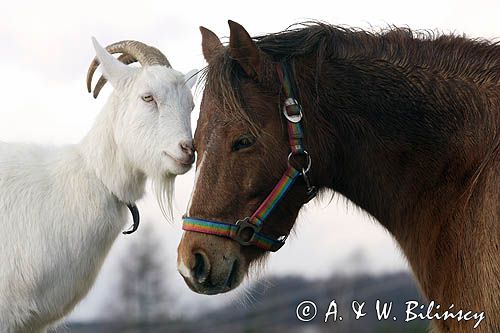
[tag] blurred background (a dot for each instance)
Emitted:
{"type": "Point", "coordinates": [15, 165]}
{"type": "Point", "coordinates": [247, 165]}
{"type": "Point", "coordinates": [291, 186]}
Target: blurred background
{"type": "Point", "coordinates": [337, 251]}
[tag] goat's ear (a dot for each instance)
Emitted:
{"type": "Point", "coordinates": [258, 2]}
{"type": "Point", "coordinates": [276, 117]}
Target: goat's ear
{"type": "Point", "coordinates": [190, 78]}
{"type": "Point", "coordinates": [210, 44]}
{"type": "Point", "coordinates": [243, 49]}
{"type": "Point", "coordinates": [113, 70]}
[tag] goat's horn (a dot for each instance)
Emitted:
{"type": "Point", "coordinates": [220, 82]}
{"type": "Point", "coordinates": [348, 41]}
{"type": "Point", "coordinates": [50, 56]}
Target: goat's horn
{"type": "Point", "coordinates": [132, 51]}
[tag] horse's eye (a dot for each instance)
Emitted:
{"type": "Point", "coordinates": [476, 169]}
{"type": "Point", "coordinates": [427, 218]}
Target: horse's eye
{"type": "Point", "coordinates": [147, 98]}
{"type": "Point", "coordinates": [243, 142]}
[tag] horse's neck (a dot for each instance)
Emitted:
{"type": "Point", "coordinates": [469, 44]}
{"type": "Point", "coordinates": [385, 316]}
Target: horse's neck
{"type": "Point", "coordinates": [111, 166]}
{"type": "Point", "coordinates": [405, 149]}
{"type": "Point", "coordinates": [393, 142]}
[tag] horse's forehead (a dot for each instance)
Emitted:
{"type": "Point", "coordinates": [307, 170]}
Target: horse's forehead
{"type": "Point", "coordinates": [215, 130]}
{"type": "Point", "coordinates": [211, 115]}
{"type": "Point", "coordinates": [206, 128]}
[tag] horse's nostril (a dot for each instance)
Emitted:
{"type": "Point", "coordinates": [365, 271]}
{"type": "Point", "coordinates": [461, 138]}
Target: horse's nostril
{"type": "Point", "coordinates": [201, 267]}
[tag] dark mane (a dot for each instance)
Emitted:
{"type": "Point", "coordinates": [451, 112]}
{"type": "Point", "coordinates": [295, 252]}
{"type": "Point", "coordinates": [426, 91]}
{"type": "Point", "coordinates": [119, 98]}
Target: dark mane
{"type": "Point", "coordinates": [449, 54]}
{"type": "Point", "coordinates": [475, 61]}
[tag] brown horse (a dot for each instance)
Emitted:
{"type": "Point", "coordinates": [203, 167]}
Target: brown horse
{"type": "Point", "coordinates": [406, 125]}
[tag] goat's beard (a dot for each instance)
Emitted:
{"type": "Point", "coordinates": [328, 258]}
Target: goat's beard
{"type": "Point", "coordinates": [163, 189]}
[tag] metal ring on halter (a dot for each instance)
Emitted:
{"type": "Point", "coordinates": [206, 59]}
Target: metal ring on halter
{"type": "Point", "coordinates": [309, 161]}
{"type": "Point", "coordinates": [246, 225]}
{"type": "Point", "coordinates": [294, 118]}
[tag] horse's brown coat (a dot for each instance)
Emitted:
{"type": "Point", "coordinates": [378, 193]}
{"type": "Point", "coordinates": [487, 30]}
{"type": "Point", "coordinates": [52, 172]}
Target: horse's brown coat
{"type": "Point", "coordinates": [405, 125]}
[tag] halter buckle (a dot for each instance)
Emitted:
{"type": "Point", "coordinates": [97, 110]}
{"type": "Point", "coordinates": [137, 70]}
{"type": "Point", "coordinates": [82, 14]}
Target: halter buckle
{"type": "Point", "coordinates": [311, 191]}
{"type": "Point", "coordinates": [243, 227]}
{"type": "Point", "coordinates": [294, 118]}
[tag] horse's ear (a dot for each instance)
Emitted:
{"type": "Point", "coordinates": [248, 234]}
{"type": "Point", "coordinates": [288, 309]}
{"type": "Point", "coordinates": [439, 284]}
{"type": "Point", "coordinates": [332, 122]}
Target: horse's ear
{"type": "Point", "coordinates": [210, 44]}
{"type": "Point", "coordinates": [243, 49]}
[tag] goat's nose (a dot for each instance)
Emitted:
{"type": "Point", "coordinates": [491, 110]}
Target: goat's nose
{"type": "Point", "coordinates": [201, 268]}
{"type": "Point", "coordinates": [187, 147]}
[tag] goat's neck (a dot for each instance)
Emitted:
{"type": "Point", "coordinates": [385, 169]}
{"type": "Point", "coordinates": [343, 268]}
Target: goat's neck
{"type": "Point", "coordinates": [102, 155]}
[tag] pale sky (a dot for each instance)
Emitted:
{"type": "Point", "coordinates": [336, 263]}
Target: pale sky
{"type": "Point", "coordinates": [45, 49]}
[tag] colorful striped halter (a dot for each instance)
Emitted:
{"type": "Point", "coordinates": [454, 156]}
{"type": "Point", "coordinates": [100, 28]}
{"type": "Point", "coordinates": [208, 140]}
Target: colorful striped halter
{"type": "Point", "coordinates": [248, 230]}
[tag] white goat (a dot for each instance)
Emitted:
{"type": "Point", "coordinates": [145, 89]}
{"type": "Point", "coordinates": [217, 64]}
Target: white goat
{"type": "Point", "coordinates": [62, 208]}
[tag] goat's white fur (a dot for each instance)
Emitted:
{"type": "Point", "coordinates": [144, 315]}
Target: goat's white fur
{"type": "Point", "coordinates": [62, 208]}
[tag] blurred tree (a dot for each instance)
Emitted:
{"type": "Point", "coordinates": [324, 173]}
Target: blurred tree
{"type": "Point", "coordinates": [142, 294]}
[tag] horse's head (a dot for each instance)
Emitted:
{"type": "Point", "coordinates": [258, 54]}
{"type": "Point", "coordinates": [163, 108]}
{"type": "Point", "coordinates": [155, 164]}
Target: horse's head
{"type": "Point", "coordinates": [242, 145]}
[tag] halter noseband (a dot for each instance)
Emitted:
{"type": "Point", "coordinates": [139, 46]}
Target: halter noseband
{"type": "Point", "coordinates": [247, 231]}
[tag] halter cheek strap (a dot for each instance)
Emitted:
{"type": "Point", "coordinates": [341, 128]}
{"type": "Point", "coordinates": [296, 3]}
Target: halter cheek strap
{"type": "Point", "coordinates": [247, 231]}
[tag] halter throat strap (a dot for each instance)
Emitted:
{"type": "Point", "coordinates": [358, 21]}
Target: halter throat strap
{"type": "Point", "coordinates": [247, 231]}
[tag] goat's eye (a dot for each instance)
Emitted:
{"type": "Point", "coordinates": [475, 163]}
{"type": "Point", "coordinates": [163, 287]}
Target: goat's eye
{"type": "Point", "coordinates": [147, 98]}
{"type": "Point", "coordinates": [243, 142]}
